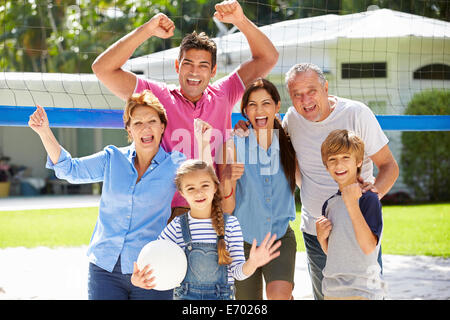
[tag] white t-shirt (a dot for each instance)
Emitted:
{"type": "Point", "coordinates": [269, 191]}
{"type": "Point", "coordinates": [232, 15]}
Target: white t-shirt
{"type": "Point", "coordinates": [307, 137]}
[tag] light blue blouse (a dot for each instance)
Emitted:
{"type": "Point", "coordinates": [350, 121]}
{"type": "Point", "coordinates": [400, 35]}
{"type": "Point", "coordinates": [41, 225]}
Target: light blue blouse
{"type": "Point", "coordinates": [130, 214]}
{"type": "Point", "coordinates": [264, 201]}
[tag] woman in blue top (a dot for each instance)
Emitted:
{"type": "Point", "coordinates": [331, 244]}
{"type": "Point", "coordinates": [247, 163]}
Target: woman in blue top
{"type": "Point", "coordinates": [138, 186]}
{"type": "Point", "coordinates": [260, 188]}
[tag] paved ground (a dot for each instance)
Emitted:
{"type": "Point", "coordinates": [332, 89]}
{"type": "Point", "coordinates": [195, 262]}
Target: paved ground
{"type": "Point", "coordinates": [61, 273]}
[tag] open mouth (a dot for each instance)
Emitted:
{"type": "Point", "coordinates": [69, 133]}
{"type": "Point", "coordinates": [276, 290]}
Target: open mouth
{"type": "Point", "coordinates": [310, 108]}
{"type": "Point", "coordinates": [261, 121]}
{"type": "Point", "coordinates": [148, 139]}
{"type": "Point", "coordinates": [193, 82]}
{"type": "Point", "coordinates": [340, 173]}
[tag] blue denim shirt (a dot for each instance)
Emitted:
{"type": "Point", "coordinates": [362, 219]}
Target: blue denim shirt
{"type": "Point", "coordinates": [264, 201]}
{"type": "Point", "coordinates": [130, 214]}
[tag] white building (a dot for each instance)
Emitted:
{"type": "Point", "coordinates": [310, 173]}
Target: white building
{"type": "Point", "coordinates": [380, 57]}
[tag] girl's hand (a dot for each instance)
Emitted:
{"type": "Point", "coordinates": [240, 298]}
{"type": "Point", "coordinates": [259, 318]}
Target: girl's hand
{"type": "Point", "coordinates": [39, 121]}
{"type": "Point", "coordinates": [202, 130]}
{"type": "Point", "coordinates": [265, 253]}
{"type": "Point", "coordinates": [142, 278]}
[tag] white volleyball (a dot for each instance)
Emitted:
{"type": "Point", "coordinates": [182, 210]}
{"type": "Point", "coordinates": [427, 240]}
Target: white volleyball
{"type": "Point", "coordinates": [168, 262]}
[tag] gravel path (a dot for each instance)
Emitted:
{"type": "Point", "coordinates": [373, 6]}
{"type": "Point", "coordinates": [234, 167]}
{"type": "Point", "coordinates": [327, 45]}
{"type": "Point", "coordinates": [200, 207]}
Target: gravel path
{"type": "Point", "coordinates": [61, 273]}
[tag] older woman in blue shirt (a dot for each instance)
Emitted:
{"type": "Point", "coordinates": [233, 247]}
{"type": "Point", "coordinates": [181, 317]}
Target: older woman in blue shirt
{"type": "Point", "coordinates": [137, 191]}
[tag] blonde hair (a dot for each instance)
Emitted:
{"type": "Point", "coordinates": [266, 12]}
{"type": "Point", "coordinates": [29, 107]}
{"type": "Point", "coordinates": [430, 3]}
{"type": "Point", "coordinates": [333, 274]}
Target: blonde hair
{"type": "Point", "coordinates": [146, 99]}
{"type": "Point", "coordinates": [343, 141]}
{"type": "Point", "coordinates": [217, 217]}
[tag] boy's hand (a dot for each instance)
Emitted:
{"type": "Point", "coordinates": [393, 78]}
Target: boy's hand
{"type": "Point", "coordinates": [142, 278]}
{"type": "Point", "coordinates": [229, 11]}
{"type": "Point", "coordinates": [351, 193]}
{"type": "Point", "coordinates": [39, 121]}
{"type": "Point", "coordinates": [323, 228]}
{"type": "Point", "coordinates": [161, 26]}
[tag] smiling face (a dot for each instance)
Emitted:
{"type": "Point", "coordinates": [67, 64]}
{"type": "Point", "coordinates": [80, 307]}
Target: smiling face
{"type": "Point", "coordinates": [145, 129]}
{"type": "Point", "coordinates": [261, 109]}
{"type": "Point", "coordinates": [194, 73]}
{"type": "Point", "coordinates": [198, 188]}
{"type": "Point", "coordinates": [309, 96]}
{"type": "Point", "coordinates": [343, 168]}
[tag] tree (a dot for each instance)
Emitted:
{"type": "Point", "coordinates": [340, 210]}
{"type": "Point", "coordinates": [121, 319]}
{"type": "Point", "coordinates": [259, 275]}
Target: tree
{"type": "Point", "coordinates": [67, 35]}
{"type": "Point", "coordinates": [425, 155]}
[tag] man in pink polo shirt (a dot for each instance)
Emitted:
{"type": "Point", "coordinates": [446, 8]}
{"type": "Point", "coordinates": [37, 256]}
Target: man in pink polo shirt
{"type": "Point", "coordinates": [196, 65]}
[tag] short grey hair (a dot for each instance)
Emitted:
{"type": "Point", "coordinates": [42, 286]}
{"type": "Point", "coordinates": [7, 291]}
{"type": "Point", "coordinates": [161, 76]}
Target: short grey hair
{"type": "Point", "coordinates": [303, 67]}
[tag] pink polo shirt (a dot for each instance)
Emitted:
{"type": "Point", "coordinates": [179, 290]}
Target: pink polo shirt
{"type": "Point", "coordinates": [214, 107]}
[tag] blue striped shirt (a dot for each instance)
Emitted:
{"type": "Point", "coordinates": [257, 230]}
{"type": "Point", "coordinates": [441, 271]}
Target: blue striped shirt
{"type": "Point", "coordinates": [203, 231]}
{"type": "Point", "coordinates": [130, 214]}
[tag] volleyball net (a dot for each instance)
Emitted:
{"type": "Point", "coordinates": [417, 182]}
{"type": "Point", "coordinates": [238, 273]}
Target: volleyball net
{"type": "Point", "coordinates": [381, 57]}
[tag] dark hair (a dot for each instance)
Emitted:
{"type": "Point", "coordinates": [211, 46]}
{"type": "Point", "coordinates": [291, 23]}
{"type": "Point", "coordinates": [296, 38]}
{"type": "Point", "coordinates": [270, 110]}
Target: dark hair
{"type": "Point", "coordinates": [287, 152]}
{"type": "Point", "coordinates": [200, 42]}
{"type": "Point", "coordinates": [217, 218]}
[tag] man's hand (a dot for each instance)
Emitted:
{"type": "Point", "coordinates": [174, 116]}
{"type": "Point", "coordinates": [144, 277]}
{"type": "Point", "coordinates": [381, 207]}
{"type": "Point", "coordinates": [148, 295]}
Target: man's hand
{"type": "Point", "coordinates": [229, 11]}
{"type": "Point", "coordinates": [161, 26]}
{"type": "Point", "coordinates": [241, 129]}
{"type": "Point", "coordinates": [366, 186]}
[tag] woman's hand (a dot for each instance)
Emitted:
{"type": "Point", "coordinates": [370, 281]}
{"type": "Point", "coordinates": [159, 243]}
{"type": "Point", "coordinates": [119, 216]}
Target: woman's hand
{"type": "Point", "coordinates": [39, 121]}
{"type": "Point", "coordinates": [143, 279]}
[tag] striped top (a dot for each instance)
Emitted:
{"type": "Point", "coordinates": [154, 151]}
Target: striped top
{"type": "Point", "coordinates": [203, 231]}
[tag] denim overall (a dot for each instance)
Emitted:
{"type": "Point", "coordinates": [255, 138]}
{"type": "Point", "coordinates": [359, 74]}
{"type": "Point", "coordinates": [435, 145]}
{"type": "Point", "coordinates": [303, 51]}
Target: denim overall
{"type": "Point", "coordinates": [205, 278]}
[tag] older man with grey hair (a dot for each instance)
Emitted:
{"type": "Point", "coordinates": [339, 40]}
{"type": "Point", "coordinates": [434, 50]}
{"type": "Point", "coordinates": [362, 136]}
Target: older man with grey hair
{"type": "Point", "coordinates": [308, 122]}
{"type": "Point", "coordinates": [312, 117]}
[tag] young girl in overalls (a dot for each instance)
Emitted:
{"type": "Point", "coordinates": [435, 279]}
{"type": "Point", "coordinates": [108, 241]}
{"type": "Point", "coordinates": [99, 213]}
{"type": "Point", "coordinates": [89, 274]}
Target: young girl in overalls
{"type": "Point", "coordinates": [211, 239]}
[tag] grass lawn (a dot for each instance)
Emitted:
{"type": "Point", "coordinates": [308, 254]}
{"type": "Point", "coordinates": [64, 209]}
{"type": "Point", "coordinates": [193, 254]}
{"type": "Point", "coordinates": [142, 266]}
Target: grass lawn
{"type": "Point", "coordinates": [408, 230]}
{"type": "Point", "coordinates": [48, 227]}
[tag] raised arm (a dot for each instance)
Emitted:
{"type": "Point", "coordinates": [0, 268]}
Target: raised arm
{"type": "Point", "coordinates": [39, 123]}
{"type": "Point", "coordinates": [202, 132]}
{"type": "Point", "coordinates": [229, 172]}
{"type": "Point", "coordinates": [367, 240]}
{"type": "Point", "coordinates": [264, 54]}
{"type": "Point", "coordinates": [108, 66]}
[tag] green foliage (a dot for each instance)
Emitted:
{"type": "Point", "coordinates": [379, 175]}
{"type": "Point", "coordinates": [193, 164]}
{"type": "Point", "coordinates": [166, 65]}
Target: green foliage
{"type": "Point", "coordinates": [67, 35]}
{"type": "Point", "coordinates": [425, 155]}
